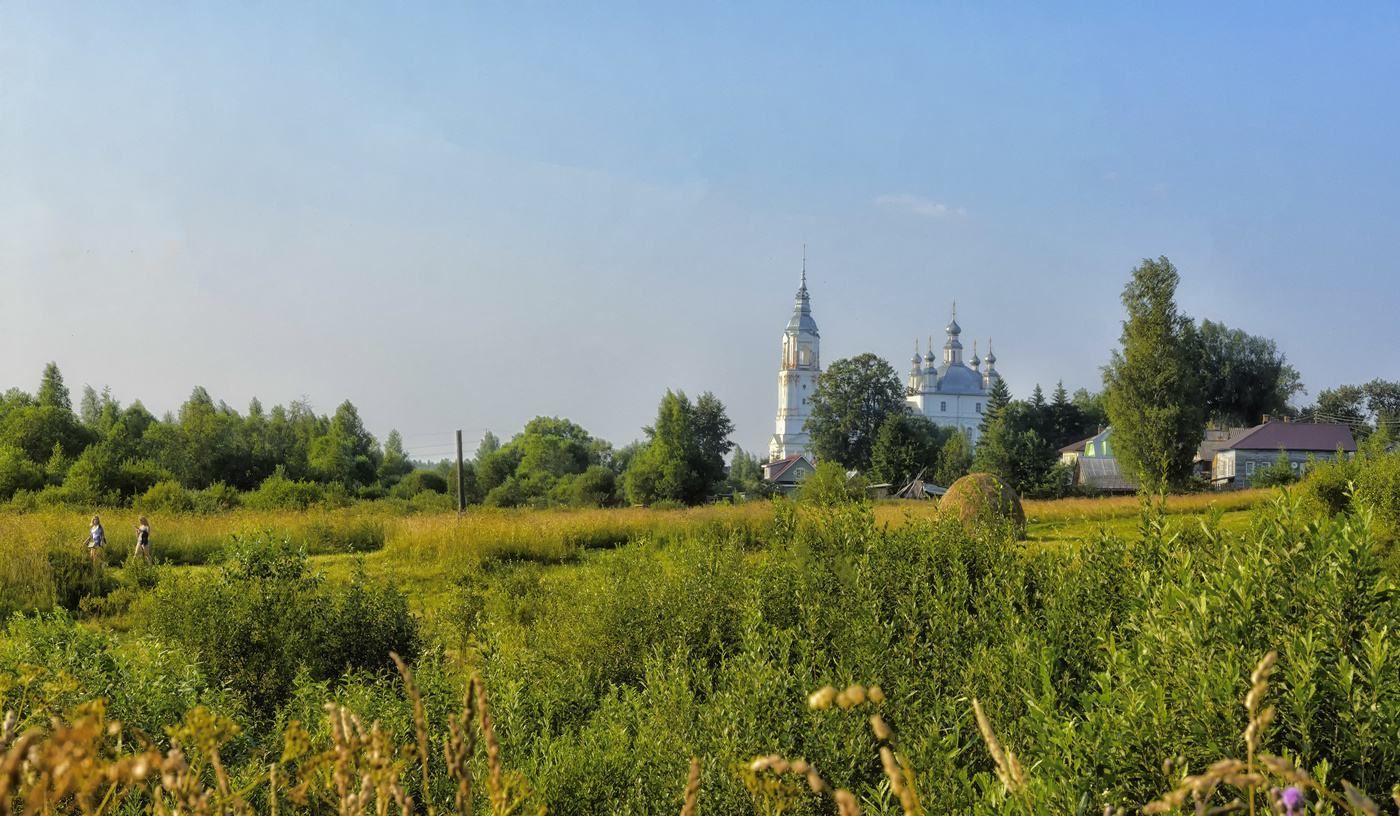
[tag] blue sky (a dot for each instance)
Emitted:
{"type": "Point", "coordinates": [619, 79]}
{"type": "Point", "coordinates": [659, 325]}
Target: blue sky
{"type": "Point", "coordinates": [466, 215]}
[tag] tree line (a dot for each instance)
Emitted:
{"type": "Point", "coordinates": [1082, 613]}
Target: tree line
{"type": "Point", "coordinates": [208, 455]}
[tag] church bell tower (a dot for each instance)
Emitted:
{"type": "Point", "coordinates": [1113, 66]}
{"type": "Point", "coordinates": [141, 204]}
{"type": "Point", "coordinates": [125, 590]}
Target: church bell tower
{"type": "Point", "coordinates": [797, 379]}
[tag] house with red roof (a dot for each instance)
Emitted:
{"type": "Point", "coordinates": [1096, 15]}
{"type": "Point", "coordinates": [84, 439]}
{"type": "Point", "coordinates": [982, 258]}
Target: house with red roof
{"type": "Point", "coordinates": [1243, 453]}
{"type": "Point", "coordinates": [788, 473]}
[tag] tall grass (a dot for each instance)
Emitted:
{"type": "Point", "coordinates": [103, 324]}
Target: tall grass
{"type": "Point", "coordinates": [556, 536]}
{"type": "Point", "coordinates": [41, 552]}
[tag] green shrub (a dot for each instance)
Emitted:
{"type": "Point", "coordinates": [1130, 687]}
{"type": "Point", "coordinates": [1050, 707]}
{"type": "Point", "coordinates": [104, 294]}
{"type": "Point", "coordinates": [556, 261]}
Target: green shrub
{"type": "Point", "coordinates": [1327, 486]}
{"type": "Point", "coordinates": [1279, 474]}
{"type": "Point", "coordinates": [218, 497]}
{"type": "Point", "coordinates": [417, 482]}
{"type": "Point", "coordinates": [166, 497]}
{"type": "Point", "coordinates": [277, 492]}
{"type": "Point", "coordinates": [75, 578]}
{"type": "Point", "coordinates": [17, 472]}
{"type": "Point", "coordinates": [265, 615]}
{"type": "Point", "coordinates": [1378, 488]}
{"type": "Point", "coordinates": [51, 665]}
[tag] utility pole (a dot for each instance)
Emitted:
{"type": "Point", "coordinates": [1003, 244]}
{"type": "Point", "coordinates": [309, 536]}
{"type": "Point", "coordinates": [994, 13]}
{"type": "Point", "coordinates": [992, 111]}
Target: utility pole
{"type": "Point", "coordinates": [461, 497]}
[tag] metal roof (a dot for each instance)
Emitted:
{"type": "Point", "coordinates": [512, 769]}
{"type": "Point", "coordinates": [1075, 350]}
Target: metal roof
{"type": "Point", "coordinates": [1294, 436]}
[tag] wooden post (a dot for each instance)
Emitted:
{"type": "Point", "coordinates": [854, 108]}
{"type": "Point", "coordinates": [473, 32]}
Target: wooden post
{"type": "Point", "coordinates": [461, 496]}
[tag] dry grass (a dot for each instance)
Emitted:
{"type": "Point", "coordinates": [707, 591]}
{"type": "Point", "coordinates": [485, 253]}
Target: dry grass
{"type": "Point", "coordinates": [555, 536]}
{"type": "Point", "coordinates": [1117, 507]}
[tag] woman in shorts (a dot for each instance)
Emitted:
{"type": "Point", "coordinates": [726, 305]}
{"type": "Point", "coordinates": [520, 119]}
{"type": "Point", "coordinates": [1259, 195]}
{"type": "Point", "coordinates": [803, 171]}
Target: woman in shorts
{"type": "Point", "coordinates": [143, 541]}
{"type": "Point", "coordinates": [96, 542]}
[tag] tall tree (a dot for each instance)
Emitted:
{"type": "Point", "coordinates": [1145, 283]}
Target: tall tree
{"type": "Point", "coordinates": [1153, 385]}
{"type": "Point", "coordinates": [489, 445]}
{"type": "Point", "coordinates": [667, 469]}
{"type": "Point", "coordinates": [90, 407]}
{"type": "Point", "coordinates": [712, 431]}
{"type": "Point", "coordinates": [1014, 450]}
{"type": "Point", "coordinates": [954, 460]}
{"type": "Point", "coordinates": [52, 392]}
{"type": "Point", "coordinates": [853, 398]}
{"type": "Point", "coordinates": [900, 451]}
{"type": "Point", "coordinates": [1344, 404]}
{"type": "Point", "coordinates": [1067, 421]}
{"type": "Point", "coordinates": [1243, 377]}
{"type": "Point", "coordinates": [396, 464]}
{"type": "Point", "coordinates": [998, 398]}
{"type": "Point", "coordinates": [1383, 401]}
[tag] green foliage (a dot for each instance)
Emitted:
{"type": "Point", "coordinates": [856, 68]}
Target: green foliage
{"type": "Point", "coordinates": [998, 398]}
{"type": "Point", "coordinates": [419, 481]}
{"type": "Point", "coordinates": [1014, 451]}
{"type": "Point", "coordinates": [264, 615]}
{"type": "Point", "coordinates": [1279, 474]}
{"type": "Point", "coordinates": [852, 400]}
{"type": "Point", "coordinates": [1378, 488]}
{"type": "Point", "coordinates": [1328, 485]}
{"type": "Point", "coordinates": [1243, 377]}
{"type": "Point", "coordinates": [684, 460]}
{"type": "Point", "coordinates": [17, 472]}
{"type": "Point", "coordinates": [52, 392]}
{"type": "Point", "coordinates": [905, 446]}
{"type": "Point", "coordinates": [954, 461]}
{"type": "Point", "coordinates": [1153, 385]}
{"type": "Point", "coordinates": [595, 487]}
{"type": "Point", "coordinates": [829, 486]}
{"type": "Point", "coordinates": [278, 492]}
{"type": "Point", "coordinates": [49, 665]}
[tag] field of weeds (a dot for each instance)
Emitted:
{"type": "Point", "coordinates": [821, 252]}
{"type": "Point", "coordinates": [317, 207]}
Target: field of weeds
{"type": "Point", "coordinates": [722, 659]}
{"type": "Point", "coordinates": [41, 552]}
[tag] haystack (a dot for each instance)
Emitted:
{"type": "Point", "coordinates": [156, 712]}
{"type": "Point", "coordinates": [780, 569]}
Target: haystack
{"type": "Point", "coordinates": [981, 500]}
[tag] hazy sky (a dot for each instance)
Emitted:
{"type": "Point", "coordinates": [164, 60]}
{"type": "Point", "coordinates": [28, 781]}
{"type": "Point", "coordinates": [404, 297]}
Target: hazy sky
{"type": "Point", "coordinates": [469, 214]}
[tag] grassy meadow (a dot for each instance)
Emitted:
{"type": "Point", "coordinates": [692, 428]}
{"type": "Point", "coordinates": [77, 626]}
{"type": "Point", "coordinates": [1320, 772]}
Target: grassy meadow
{"type": "Point", "coordinates": [615, 646]}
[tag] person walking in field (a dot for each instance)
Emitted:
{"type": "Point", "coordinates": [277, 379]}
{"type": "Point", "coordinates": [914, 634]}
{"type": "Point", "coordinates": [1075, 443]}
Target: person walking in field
{"type": "Point", "coordinates": [143, 541]}
{"type": "Point", "coordinates": [97, 542]}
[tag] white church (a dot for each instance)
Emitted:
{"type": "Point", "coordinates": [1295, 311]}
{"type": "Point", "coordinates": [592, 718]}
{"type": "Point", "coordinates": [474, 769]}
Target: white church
{"type": "Point", "coordinates": [951, 393]}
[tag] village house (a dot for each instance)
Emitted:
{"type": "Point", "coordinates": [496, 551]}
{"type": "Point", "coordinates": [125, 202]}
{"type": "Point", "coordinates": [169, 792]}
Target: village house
{"type": "Point", "coordinates": [1257, 448]}
{"type": "Point", "coordinates": [788, 473]}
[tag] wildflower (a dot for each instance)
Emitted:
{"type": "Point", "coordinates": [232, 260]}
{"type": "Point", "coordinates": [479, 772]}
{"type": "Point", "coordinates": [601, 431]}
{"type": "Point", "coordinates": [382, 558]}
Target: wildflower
{"type": "Point", "coordinates": [1292, 800]}
{"type": "Point", "coordinates": [822, 698]}
{"type": "Point", "coordinates": [876, 694]}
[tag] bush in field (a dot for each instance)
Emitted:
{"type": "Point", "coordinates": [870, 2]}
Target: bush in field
{"type": "Point", "coordinates": [1378, 487]}
{"type": "Point", "coordinates": [829, 486]}
{"type": "Point", "coordinates": [277, 492]}
{"type": "Point", "coordinates": [49, 665]}
{"type": "Point", "coordinates": [17, 472]}
{"type": "Point", "coordinates": [166, 497]}
{"type": "Point", "coordinates": [417, 482]}
{"type": "Point", "coordinates": [264, 615]}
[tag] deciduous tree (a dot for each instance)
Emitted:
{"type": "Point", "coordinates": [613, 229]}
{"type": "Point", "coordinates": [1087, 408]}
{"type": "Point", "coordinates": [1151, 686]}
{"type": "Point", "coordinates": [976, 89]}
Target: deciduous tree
{"type": "Point", "coordinates": [853, 398]}
{"type": "Point", "coordinates": [1153, 384]}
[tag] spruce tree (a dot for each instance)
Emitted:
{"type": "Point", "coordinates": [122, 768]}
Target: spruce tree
{"type": "Point", "coordinates": [1152, 385]}
{"type": "Point", "coordinates": [998, 398]}
{"type": "Point", "coordinates": [52, 392]}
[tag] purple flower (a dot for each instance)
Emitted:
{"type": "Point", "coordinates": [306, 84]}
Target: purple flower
{"type": "Point", "coordinates": [1292, 800]}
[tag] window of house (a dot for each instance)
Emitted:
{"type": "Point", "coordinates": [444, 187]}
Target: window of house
{"type": "Point", "coordinates": [979, 407]}
{"type": "Point", "coordinates": [942, 406]}
{"type": "Point", "coordinates": [1249, 468]}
